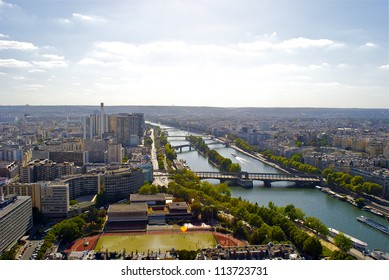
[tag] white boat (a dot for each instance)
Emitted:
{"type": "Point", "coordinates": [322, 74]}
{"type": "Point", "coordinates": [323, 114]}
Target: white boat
{"type": "Point", "coordinates": [357, 244]}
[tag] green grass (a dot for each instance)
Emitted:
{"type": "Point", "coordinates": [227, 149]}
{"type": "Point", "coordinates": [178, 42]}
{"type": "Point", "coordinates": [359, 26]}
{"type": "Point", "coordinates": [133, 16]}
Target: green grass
{"type": "Point", "coordinates": [156, 242]}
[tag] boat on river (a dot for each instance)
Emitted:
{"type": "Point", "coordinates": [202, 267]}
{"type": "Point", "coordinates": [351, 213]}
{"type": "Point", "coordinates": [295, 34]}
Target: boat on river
{"type": "Point", "coordinates": [357, 244]}
{"type": "Point", "coordinates": [373, 224]}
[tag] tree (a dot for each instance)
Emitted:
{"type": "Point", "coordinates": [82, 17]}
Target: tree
{"type": "Point", "coordinates": [260, 235]}
{"type": "Point", "coordinates": [374, 189]}
{"type": "Point", "coordinates": [196, 209]}
{"type": "Point", "coordinates": [124, 159]}
{"type": "Point", "coordinates": [148, 141]}
{"type": "Point", "coordinates": [293, 213]}
{"type": "Point", "coordinates": [316, 224]}
{"type": "Point", "coordinates": [70, 230]}
{"type": "Point", "coordinates": [343, 242]}
{"type": "Point", "coordinates": [101, 198]}
{"type": "Point", "coordinates": [357, 180]}
{"type": "Point", "coordinates": [73, 202]}
{"type": "Point", "coordinates": [340, 255]}
{"type": "Point", "coordinates": [276, 234]}
{"type": "Point", "coordinates": [239, 230]}
{"type": "Point", "coordinates": [313, 247]}
{"type": "Point", "coordinates": [360, 202]}
{"type": "Point", "coordinates": [234, 167]}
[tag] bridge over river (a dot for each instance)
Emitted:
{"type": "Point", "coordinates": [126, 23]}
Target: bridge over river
{"type": "Point", "coordinates": [245, 179]}
{"type": "Point", "coordinates": [179, 147]}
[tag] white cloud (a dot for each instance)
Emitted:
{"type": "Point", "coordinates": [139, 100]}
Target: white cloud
{"type": "Point", "coordinates": [3, 36]}
{"type": "Point", "coordinates": [342, 66]}
{"type": "Point", "coordinates": [34, 86]}
{"type": "Point", "coordinates": [53, 61]}
{"type": "Point", "coordinates": [91, 61]}
{"type": "Point", "coordinates": [87, 18]}
{"type": "Point", "coordinates": [36, 70]}
{"type": "Point", "coordinates": [240, 54]}
{"type": "Point", "coordinates": [14, 63]}
{"type": "Point", "coordinates": [16, 45]}
{"type": "Point", "coordinates": [50, 64]}
{"type": "Point", "coordinates": [258, 46]}
{"type": "Point", "coordinates": [19, 77]}
{"type": "Point", "coordinates": [77, 18]}
{"type": "Point", "coordinates": [370, 45]}
{"type": "Point", "coordinates": [385, 67]}
{"type": "Point", "coordinates": [303, 43]}
{"type": "Point", "coordinates": [63, 21]}
{"type": "Point", "coordinates": [5, 4]}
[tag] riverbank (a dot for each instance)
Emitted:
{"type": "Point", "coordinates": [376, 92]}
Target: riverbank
{"type": "Point", "coordinates": [370, 206]}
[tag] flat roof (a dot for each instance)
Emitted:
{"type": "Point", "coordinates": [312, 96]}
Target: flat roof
{"type": "Point", "coordinates": [9, 208]}
{"type": "Point", "coordinates": [148, 197]}
{"type": "Point", "coordinates": [178, 205]}
{"type": "Point", "coordinates": [137, 207]}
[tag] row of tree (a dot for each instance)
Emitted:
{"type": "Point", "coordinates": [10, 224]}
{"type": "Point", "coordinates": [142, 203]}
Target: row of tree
{"type": "Point", "coordinates": [257, 224]}
{"type": "Point", "coordinates": [225, 164]}
{"type": "Point", "coordinates": [240, 143]}
{"type": "Point", "coordinates": [294, 162]}
{"type": "Point", "coordinates": [170, 152]}
{"type": "Point", "coordinates": [352, 183]}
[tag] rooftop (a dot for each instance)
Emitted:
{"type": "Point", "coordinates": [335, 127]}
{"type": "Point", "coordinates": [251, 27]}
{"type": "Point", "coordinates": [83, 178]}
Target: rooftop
{"type": "Point", "coordinates": [178, 205]}
{"type": "Point", "coordinates": [10, 207]}
{"type": "Point", "coordinates": [150, 197]}
{"type": "Point", "coordinates": [118, 208]}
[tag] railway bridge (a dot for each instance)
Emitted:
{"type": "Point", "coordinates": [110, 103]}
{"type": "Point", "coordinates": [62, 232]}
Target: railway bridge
{"type": "Point", "coordinates": [245, 179]}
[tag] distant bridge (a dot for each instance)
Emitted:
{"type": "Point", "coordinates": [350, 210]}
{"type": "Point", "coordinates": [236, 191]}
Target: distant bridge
{"type": "Point", "coordinates": [177, 136]}
{"type": "Point", "coordinates": [179, 147]}
{"type": "Point", "coordinates": [245, 178]}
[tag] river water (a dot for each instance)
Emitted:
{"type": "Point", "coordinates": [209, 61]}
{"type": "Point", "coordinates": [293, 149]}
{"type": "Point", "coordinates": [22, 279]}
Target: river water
{"type": "Point", "coordinates": [332, 212]}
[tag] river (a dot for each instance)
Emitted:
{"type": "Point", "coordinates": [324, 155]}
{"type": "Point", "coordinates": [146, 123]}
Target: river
{"type": "Point", "coordinates": [332, 212]}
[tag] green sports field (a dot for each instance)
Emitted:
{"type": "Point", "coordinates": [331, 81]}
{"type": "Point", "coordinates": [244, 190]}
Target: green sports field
{"type": "Point", "coordinates": [155, 242]}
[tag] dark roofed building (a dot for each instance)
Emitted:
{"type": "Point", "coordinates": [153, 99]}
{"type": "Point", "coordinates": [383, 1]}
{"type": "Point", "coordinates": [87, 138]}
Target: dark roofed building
{"type": "Point", "coordinates": [178, 211]}
{"type": "Point", "coordinates": [127, 217]}
{"type": "Point", "coordinates": [155, 201]}
{"type": "Point", "coordinates": [178, 207]}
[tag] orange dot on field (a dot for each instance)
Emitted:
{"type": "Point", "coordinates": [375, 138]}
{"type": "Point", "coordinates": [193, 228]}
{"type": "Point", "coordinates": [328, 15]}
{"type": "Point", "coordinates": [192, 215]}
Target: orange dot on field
{"type": "Point", "coordinates": [184, 228]}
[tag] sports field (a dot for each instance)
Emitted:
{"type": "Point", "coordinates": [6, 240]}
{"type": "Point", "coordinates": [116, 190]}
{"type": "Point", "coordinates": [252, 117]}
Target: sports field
{"type": "Point", "coordinates": [155, 242]}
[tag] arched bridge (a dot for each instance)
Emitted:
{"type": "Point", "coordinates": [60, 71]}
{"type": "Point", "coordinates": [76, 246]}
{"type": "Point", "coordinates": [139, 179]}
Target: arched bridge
{"type": "Point", "coordinates": [246, 179]}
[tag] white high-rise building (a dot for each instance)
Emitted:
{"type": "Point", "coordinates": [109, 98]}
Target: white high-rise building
{"type": "Point", "coordinates": [115, 153]}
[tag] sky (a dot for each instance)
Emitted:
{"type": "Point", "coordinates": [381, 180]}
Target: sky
{"type": "Point", "coordinates": [230, 53]}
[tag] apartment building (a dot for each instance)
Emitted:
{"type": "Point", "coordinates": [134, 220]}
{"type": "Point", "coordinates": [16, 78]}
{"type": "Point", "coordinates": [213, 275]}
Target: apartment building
{"type": "Point", "coordinates": [15, 219]}
{"type": "Point", "coordinates": [55, 199]}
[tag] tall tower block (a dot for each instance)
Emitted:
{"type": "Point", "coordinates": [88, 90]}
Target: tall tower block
{"type": "Point", "coordinates": [101, 120]}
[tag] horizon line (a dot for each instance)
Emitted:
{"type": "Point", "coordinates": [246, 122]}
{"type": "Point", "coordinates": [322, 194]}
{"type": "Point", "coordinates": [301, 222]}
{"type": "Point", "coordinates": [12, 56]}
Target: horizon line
{"type": "Point", "coordinates": [195, 106]}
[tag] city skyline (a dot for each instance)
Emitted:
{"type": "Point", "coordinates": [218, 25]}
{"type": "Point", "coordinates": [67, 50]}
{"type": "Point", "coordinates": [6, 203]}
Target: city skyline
{"type": "Point", "coordinates": [194, 53]}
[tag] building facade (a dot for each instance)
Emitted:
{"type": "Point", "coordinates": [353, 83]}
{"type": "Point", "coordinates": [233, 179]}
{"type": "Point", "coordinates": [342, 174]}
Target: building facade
{"type": "Point", "coordinates": [15, 219]}
{"type": "Point", "coordinates": [29, 189]}
{"type": "Point", "coordinates": [45, 170]}
{"type": "Point", "coordinates": [55, 199]}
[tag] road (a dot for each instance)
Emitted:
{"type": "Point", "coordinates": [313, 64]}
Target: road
{"type": "Point", "coordinates": [153, 152]}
